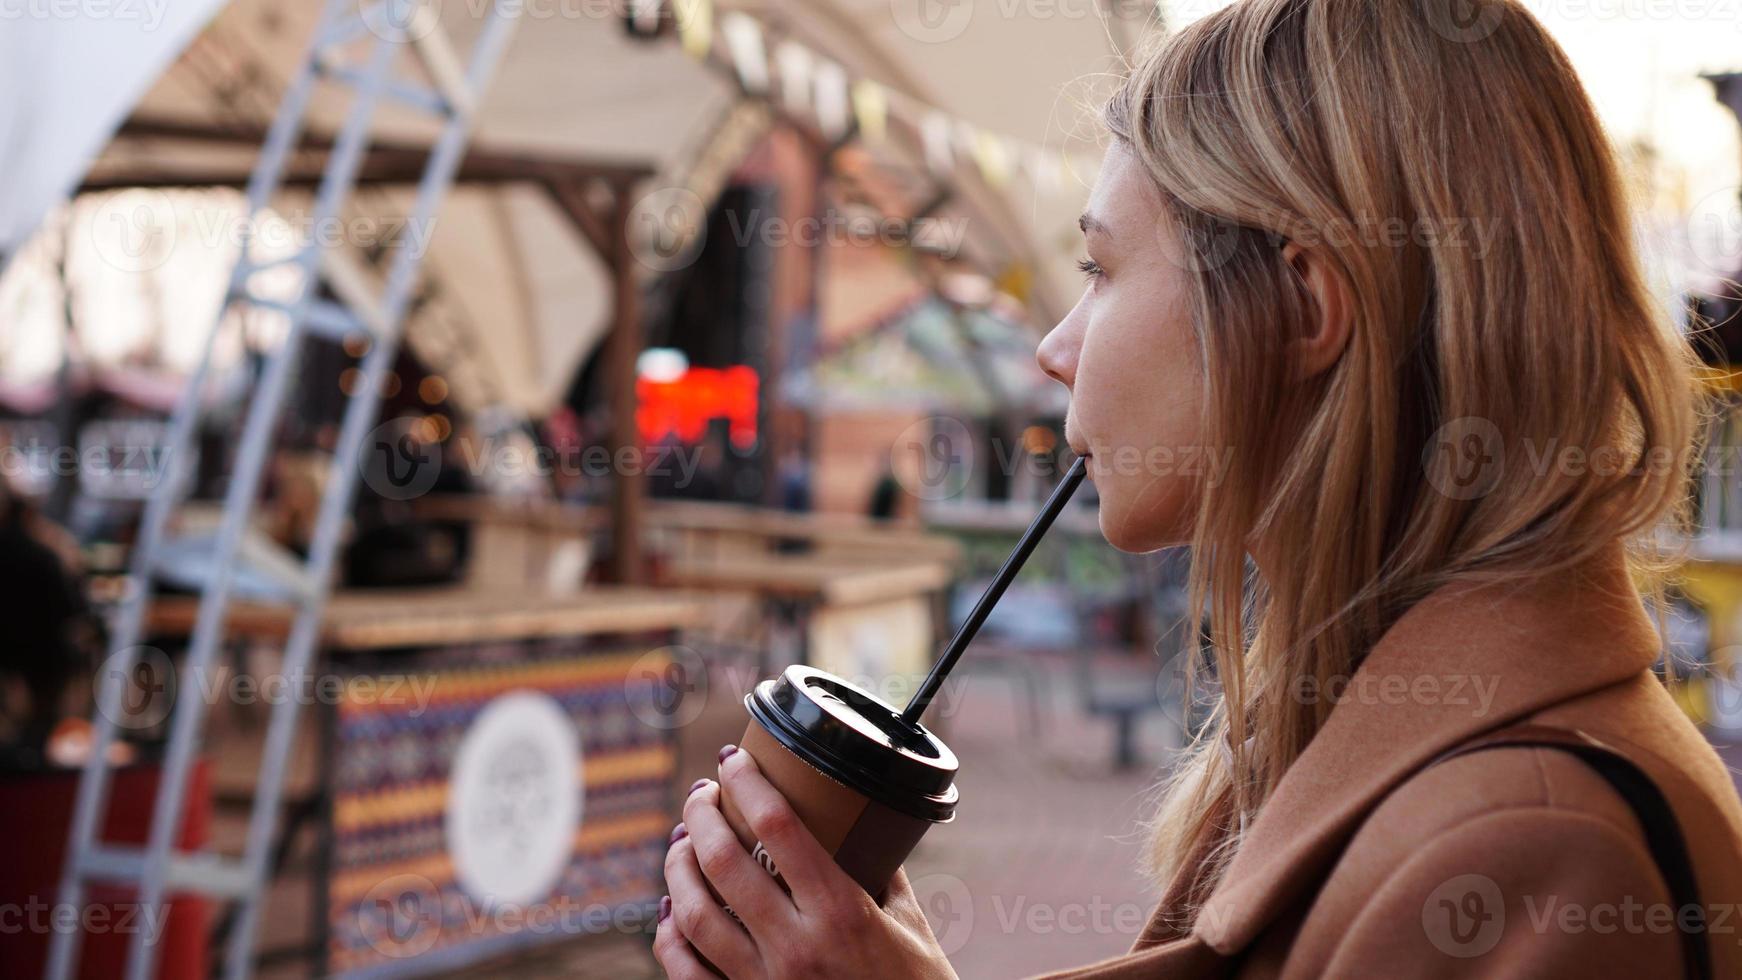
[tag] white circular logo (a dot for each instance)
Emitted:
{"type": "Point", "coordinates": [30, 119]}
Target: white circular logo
{"type": "Point", "coordinates": [514, 799]}
{"type": "Point", "coordinates": [1466, 458]}
{"type": "Point", "coordinates": [932, 21]}
{"type": "Point", "coordinates": [933, 459]}
{"type": "Point", "coordinates": [401, 916]}
{"type": "Point", "coordinates": [948, 907]}
{"type": "Point", "coordinates": [1465, 21]}
{"type": "Point", "coordinates": [1465, 916]}
{"type": "Point", "coordinates": [397, 462]}
{"type": "Point", "coordinates": [134, 230]}
{"type": "Point", "coordinates": [667, 688]}
{"type": "Point", "coordinates": [1714, 229]}
{"type": "Point", "coordinates": [667, 228]}
{"type": "Point", "coordinates": [147, 686]}
{"type": "Point", "coordinates": [400, 21]}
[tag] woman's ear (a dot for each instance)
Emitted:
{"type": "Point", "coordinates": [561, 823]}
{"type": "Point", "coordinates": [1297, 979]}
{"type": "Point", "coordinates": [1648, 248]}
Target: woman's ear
{"type": "Point", "coordinates": [1327, 333]}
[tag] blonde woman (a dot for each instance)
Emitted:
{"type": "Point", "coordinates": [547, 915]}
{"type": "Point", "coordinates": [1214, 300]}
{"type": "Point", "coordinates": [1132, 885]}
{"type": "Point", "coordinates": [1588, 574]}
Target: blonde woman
{"type": "Point", "coordinates": [1376, 251]}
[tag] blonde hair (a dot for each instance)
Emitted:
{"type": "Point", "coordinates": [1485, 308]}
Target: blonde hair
{"type": "Point", "coordinates": [1456, 178]}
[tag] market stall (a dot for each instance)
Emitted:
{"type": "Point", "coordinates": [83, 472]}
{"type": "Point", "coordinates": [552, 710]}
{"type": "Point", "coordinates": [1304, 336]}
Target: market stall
{"type": "Point", "coordinates": [493, 768]}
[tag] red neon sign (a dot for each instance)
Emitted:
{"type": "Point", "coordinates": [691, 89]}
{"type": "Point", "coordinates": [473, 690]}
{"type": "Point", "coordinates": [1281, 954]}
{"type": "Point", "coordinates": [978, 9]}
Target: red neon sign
{"type": "Point", "coordinates": [683, 406]}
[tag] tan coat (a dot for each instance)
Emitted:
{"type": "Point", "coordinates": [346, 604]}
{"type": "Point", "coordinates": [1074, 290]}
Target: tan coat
{"type": "Point", "coordinates": [1506, 862]}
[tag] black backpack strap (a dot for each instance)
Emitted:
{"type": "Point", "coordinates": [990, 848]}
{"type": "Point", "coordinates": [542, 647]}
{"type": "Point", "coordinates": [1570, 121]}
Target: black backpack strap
{"type": "Point", "coordinates": [1663, 835]}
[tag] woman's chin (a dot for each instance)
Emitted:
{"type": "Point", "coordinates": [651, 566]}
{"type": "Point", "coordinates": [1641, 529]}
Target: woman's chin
{"type": "Point", "coordinates": [1140, 534]}
{"type": "Point", "coordinates": [1127, 535]}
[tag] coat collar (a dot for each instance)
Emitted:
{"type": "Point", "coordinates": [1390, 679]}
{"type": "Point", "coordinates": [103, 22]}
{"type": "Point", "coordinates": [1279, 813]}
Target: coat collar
{"type": "Point", "coordinates": [1464, 660]}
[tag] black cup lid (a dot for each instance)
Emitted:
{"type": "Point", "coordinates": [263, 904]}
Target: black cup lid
{"type": "Point", "coordinates": [858, 739]}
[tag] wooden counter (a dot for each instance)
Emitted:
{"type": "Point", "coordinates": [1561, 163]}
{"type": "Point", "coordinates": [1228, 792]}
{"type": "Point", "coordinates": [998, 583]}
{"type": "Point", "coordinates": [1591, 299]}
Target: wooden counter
{"type": "Point", "coordinates": [824, 578]}
{"type": "Point", "coordinates": [873, 619]}
{"type": "Point", "coordinates": [376, 619]}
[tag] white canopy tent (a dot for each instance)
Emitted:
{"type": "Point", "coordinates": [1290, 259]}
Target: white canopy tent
{"type": "Point", "coordinates": [518, 283]}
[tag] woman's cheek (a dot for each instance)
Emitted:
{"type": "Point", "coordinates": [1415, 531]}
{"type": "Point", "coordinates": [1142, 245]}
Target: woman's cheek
{"type": "Point", "coordinates": [1142, 511]}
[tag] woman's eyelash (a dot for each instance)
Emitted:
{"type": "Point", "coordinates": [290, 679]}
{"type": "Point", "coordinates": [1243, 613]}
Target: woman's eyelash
{"type": "Point", "coordinates": [1089, 268]}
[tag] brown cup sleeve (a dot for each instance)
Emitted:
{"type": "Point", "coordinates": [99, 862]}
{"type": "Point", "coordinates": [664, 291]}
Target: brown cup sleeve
{"type": "Point", "coordinates": [868, 839]}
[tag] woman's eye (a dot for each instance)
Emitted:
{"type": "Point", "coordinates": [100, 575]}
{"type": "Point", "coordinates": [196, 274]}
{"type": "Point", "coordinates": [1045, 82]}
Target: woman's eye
{"type": "Point", "coordinates": [1089, 268]}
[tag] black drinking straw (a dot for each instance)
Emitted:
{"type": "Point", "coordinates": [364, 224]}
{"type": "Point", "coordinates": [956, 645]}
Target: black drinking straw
{"type": "Point", "coordinates": [1055, 504]}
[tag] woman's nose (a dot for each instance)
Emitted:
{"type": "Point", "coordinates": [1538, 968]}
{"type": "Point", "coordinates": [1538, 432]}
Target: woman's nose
{"type": "Point", "coordinates": [1057, 355]}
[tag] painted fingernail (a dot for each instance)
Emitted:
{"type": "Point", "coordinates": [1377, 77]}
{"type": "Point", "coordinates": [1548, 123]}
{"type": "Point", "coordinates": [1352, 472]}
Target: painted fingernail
{"type": "Point", "coordinates": [726, 752]}
{"type": "Point", "coordinates": [677, 833]}
{"type": "Point", "coordinates": [664, 907]}
{"type": "Point", "coordinates": [698, 784]}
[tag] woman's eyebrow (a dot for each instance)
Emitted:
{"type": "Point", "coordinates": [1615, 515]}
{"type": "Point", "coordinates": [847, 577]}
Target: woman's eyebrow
{"type": "Point", "coordinates": [1088, 222]}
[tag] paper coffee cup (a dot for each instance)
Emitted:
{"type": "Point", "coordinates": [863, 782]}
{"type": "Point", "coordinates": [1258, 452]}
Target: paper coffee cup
{"type": "Point", "coordinates": [866, 784]}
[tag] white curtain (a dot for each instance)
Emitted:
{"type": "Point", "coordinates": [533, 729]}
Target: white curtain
{"type": "Point", "coordinates": [71, 71]}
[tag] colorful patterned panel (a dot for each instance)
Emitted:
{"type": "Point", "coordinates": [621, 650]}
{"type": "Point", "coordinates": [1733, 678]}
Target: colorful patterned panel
{"type": "Point", "coordinates": [515, 798]}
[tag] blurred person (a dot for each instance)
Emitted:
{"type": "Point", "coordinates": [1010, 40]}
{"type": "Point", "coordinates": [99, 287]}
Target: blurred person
{"type": "Point", "coordinates": [43, 611]}
{"type": "Point", "coordinates": [1373, 261]}
{"type": "Point", "coordinates": [885, 502]}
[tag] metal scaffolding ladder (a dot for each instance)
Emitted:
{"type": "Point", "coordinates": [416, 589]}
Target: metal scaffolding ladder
{"type": "Point", "coordinates": [355, 45]}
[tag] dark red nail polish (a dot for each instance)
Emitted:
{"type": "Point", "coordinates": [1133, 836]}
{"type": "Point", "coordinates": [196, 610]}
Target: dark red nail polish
{"type": "Point", "coordinates": [726, 751]}
{"type": "Point", "coordinates": [698, 784]}
{"type": "Point", "coordinates": [677, 833]}
{"type": "Point", "coordinates": [664, 907]}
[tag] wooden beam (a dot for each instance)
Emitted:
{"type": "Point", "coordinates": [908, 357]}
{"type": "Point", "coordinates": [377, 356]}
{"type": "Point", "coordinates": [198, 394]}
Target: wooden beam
{"type": "Point", "coordinates": [385, 162]}
{"type": "Point", "coordinates": [622, 349]}
{"type": "Point", "coordinates": [571, 199]}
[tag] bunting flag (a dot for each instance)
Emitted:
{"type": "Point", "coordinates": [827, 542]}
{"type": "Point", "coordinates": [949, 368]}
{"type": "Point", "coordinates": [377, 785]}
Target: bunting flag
{"type": "Point", "coordinates": [744, 43]}
{"type": "Point", "coordinates": [871, 108]}
{"type": "Point", "coordinates": [934, 137]}
{"type": "Point", "coordinates": [644, 14]}
{"type": "Point", "coordinates": [831, 89]}
{"type": "Point", "coordinates": [793, 61]}
{"type": "Point", "coordinates": [993, 156]}
{"type": "Point", "coordinates": [695, 26]}
{"type": "Point", "coordinates": [816, 86]}
{"type": "Point", "coordinates": [1043, 169]}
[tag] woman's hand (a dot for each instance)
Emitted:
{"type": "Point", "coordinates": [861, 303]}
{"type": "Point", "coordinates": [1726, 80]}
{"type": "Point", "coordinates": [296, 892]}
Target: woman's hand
{"type": "Point", "coordinates": [828, 926]}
